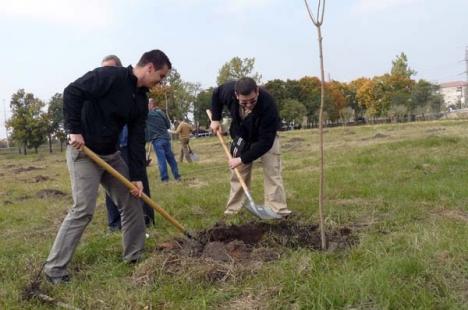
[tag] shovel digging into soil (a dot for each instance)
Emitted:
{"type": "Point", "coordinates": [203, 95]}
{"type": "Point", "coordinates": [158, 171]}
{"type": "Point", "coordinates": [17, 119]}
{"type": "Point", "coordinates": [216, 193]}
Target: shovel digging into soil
{"type": "Point", "coordinates": [260, 211]}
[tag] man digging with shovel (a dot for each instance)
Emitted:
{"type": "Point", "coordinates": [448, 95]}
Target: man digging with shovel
{"type": "Point", "coordinates": [254, 126]}
{"type": "Point", "coordinates": [96, 107]}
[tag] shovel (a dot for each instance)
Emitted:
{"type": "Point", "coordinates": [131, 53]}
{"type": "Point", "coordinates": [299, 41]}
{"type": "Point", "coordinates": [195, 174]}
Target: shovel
{"type": "Point", "coordinates": [101, 163]}
{"type": "Point", "coordinates": [260, 211]}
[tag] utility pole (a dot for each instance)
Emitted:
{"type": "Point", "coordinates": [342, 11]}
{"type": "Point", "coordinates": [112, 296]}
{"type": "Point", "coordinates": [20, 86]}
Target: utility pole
{"type": "Point", "coordinates": [5, 123]}
{"type": "Point", "coordinates": [466, 72]}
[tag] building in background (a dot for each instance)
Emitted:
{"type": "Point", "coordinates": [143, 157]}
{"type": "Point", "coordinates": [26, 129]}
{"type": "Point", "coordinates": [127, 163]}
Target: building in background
{"type": "Point", "coordinates": [454, 94]}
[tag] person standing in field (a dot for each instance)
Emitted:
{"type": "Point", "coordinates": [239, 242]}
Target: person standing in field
{"type": "Point", "coordinates": [254, 126]}
{"type": "Point", "coordinates": [96, 108]}
{"type": "Point", "coordinates": [157, 132]}
{"type": "Point", "coordinates": [184, 130]}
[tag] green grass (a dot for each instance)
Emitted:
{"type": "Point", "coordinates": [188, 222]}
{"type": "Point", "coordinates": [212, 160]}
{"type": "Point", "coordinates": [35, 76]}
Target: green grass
{"type": "Point", "coordinates": [403, 188]}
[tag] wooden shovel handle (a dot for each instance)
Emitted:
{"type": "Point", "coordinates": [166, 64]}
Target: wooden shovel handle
{"type": "Point", "coordinates": [101, 163]}
{"type": "Point", "coordinates": [228, 154]}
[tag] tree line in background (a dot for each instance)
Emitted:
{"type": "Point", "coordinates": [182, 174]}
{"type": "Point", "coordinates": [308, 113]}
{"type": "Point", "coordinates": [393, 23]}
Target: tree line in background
{"type": "Point", "coordinates": [395, 95]}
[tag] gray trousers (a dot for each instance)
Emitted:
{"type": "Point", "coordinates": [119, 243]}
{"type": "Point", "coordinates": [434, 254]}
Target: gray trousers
{"type": "Point", "coordinates": [85, 179]}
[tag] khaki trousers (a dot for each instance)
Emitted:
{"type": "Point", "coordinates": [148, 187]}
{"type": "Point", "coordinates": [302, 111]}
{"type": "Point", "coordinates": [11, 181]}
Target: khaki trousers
{"type": "Point", "coordinates": [275, 196]}
{"type": "Point", "coordinates": [184, 150]}
{"type": "Point", "coordinates": [85, 179]}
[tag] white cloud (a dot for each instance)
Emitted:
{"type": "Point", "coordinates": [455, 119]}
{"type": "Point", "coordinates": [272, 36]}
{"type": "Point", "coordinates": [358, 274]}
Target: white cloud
{"type": "Point", "coordinates": [85, 13]}
{"type": "Point", "coordinates": [366, 6]}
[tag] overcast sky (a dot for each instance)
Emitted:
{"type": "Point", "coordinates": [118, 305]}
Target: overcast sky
{"type": "Point", "coordinates": [49, 43]}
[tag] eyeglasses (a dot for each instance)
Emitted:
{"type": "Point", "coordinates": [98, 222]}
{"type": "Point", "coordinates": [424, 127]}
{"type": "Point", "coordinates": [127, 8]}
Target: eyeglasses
{"type": "Point", "coordinates": [251, 101]}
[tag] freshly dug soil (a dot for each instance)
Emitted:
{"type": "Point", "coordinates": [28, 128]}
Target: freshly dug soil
{"type": "Point", "coordinates": [227, 252]}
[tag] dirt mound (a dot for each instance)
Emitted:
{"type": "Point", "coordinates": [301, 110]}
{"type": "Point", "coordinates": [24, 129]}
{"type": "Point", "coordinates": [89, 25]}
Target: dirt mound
{"type": "Point", "coordinates": [50, 193]}
{"type": "Point", "coordinates": [228, 252]}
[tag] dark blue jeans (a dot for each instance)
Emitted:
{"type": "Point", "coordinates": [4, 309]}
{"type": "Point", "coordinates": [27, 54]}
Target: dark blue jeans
{"type": "Point", "coordinates": [162, 148]}
{"type": "Point", "coordinates": [113, 215]}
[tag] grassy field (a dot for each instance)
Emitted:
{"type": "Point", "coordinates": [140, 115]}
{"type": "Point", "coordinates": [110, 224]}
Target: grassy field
{"type": "Point", "coordinates": [401, 188]}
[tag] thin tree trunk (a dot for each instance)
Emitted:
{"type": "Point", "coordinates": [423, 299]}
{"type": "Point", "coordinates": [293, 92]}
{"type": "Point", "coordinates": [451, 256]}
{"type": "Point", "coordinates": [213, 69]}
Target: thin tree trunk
{"type": "Point", "coordinates": [322, 174]}
{"type": "Point", "coordinates": [50, 144]}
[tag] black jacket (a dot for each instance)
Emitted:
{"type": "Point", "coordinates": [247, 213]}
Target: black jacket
{"type": "Point", "coordinates": [99, 104]}
{"type": "Point", "coordinates": [258, 129]}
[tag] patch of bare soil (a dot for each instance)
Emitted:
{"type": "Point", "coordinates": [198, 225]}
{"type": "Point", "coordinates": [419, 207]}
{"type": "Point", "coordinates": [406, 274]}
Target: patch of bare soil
{"type": "Point", "coordinates": [38, 179]}
{"type": "Point", "coordinates": [26, 169]}
{"type": "Point", "coordinates": [454, 214]}
{"type": "Point", "coordinates": [295, 140]}
{"type": "Point", "coordinates": [50, 193]}
{"type": "Point", "coordinates": [432, 130]}
{"type": "Point", "coordinates": [194, 182]}
{"type": "Point", "coordinates": [379, 136]}
{"type": "Point", "coordinates": [225, 252]}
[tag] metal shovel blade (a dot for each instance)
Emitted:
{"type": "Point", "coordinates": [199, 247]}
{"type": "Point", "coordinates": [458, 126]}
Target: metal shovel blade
{"type": "Point", "coordinates": [262, 212]}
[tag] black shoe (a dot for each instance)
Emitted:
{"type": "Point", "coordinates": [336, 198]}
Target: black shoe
{"type": "Point", "coordinates": [58, 280]}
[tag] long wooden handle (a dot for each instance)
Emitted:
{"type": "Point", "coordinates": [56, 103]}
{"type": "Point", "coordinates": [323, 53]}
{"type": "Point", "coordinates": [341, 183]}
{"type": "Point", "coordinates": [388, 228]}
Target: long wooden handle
{"type": "Point", "coordinates": [229, 156]}
{"type": "Point", "coordinates": [101, 163]}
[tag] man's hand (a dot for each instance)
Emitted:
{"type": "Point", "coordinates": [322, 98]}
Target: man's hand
{"type": "Point", "coordinates": [235, 162]}
{"type": "Point", "coordinates": [138, 190]}
{"type": "Point", "coordinates": [76, 140]}
{"type": "Point", "coordinates": [215, 126]}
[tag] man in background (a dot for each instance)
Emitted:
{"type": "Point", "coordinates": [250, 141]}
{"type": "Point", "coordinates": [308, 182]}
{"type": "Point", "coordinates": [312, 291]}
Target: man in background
{"type": "Point", "coordinates": [184, 130]}
{"type": "Point", "coordinates": [157, 126]}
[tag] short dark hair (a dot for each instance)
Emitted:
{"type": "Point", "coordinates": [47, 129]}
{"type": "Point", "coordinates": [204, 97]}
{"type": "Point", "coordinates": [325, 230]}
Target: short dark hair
{"type": "Point", "coordinates": [157, 58]}
{"type": "Point", "coordinates": [245, 86]}
{"type": "Point", "coordinates": [116, 59]}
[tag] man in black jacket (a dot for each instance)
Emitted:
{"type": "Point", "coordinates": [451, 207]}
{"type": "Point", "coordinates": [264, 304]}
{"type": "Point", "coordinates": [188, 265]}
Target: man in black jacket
{"type": "Point", "coordinates": [96, 107]}
{"type": "Point", "coordinates": [254, 126]}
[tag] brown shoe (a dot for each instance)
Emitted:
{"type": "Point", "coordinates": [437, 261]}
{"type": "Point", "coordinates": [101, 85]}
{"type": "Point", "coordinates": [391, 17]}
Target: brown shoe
{"type": "Point", "coordinates": [284, 212]}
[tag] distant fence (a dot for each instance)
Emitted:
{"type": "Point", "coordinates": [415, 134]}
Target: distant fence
{"type": "Point", "coordinates": [41, 149]}
{"type": "Point", "coordinates": [379, 120]}
{"type": "Point", "coordinates": [451, 115]}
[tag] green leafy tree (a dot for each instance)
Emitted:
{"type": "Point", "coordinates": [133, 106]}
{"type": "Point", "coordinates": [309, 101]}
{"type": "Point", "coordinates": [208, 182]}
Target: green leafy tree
{"type": "Point", "coordinates": [293, 111]}
{"type": "Point", "coordinates": [54, 120]}
{"type": "Point", "coordinates": [308, 93]}
{"type": "Point", "coordinates": [201, 104]}
{"type": "Point", "coordinates": [400, 66]}
{"type": "Point", "coordinates": [424, 98]}
{"type": "Point", "coordinates": [27, 120]}
{"type": "Point", "coordinates": [277, 88]}
{"type": "Point", "coordinates": [237, 68]}
{"type": "Point", "coordinates": [175, 96]}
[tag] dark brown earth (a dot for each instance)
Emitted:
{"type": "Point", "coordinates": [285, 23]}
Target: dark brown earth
{"type": "Point", "coordinates": [50, 193]}
{"type": "Point", "coordinates": [227, 252]}
{"type": "Point", "coordinates": [39, 178]}
{"type": "Point", "coordinates": [25, 169]}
